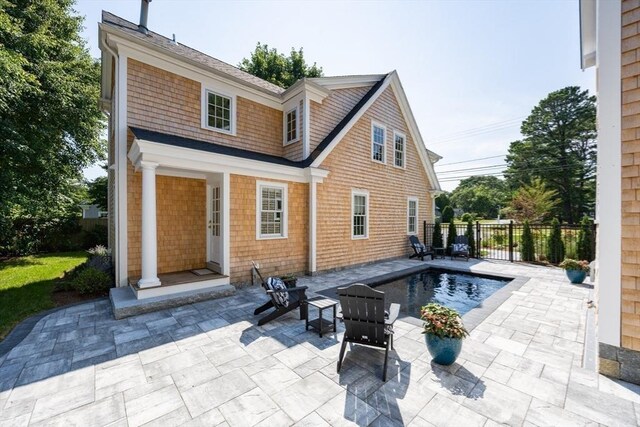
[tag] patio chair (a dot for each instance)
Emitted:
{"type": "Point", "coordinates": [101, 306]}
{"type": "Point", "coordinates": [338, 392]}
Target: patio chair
{"type": "Point", "coordinates": [281, 298]}
{"type": "Point", "coordinates": [460, 247]}
{"type": "Point", "coordinates": [366, 321]}
{"type": "Point", "coordinates": [419, 249]}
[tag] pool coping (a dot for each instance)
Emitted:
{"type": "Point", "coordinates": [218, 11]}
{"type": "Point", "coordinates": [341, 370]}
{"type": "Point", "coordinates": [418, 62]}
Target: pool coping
{"type": "Point", "coordinates": [473, 317]}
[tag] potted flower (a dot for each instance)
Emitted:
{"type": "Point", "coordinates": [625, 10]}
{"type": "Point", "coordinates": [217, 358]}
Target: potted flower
{"type": "Point", "coordinates": [576, 270]}
{"type": "Point", "coordinates": [443, 331]}
{"type": "Point", "coordinates": [289, 280]}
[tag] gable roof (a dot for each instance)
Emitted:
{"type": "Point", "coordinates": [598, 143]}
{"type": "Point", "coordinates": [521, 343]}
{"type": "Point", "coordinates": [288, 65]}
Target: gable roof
{"type": "Point", "coordinates": [391, 80]}
{"type": "Point", "coordinates": [184, 52]}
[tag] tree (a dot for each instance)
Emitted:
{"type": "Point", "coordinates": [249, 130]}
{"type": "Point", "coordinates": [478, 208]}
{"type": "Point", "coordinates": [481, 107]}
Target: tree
{"type": "Point", "coordinates": [527, 247]}
{"type": "Point", "coordinates": [555, 245]}
{"type": "Point", "coordinates": [277, 68]}
{"type": "Point", "coordinates": [585, 240]}
{"type": "Point", "coordinates": [451, 236]}
{"type": "Point", "coordinates": [559, 148]}
{"type": "Point", "coordinates": [98, 192]}
{"type": "Point", "coordinates": [480, 195]}
{"type": "Point", "coordinates": [436, 240]}
{"type": "Point", "coordinates": [471, 238]}
{"type": "Point", "coordinates": [447, 214]}
{"type": "Point", "coordinates": [532, 202]}
{"type": "Point", "coordinates": [50, 123]}
{"type": "Point", "coordinates": [442, 201]}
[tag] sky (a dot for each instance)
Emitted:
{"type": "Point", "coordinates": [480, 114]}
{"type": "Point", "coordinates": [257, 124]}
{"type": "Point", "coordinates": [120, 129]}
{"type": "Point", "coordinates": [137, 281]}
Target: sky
{"type": "Point", "coordinates": [472, 70]}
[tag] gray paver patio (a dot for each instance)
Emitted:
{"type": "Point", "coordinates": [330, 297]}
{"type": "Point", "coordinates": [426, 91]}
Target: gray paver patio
{"type": "Point", "coordinates": [209, 364]}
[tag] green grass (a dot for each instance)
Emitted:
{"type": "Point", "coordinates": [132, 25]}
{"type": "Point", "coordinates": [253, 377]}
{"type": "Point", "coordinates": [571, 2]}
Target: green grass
{"type": "Point", "coordinates": [26, 284]}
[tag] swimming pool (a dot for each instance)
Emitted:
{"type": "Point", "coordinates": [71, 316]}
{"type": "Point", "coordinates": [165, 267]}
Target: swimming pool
{"type": "Point", "coordinates": [458, 290]}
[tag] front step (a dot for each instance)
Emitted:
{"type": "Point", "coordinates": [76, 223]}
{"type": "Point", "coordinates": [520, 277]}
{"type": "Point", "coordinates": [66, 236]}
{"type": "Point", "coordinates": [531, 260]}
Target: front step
{"type": "Point", "coordinates": [199, 283]}
{"type": "Point", "coordinates": [125, 303]}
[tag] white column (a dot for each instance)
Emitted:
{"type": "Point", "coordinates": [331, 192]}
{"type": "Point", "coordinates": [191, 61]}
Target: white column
{"type": "Point", "coordinates": [149, 241]}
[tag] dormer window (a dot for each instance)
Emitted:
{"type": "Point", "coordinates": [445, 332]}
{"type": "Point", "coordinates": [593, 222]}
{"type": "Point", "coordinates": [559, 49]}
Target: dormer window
{"type": "Point", "coordinates": [291, 126]}
{"type": "Point", "coordinates": [219, 112]}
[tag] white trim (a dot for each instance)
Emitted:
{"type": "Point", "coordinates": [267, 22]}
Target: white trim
{"type": "Point", "coordinates": [346, 82]}
{"type": "Point", "coordinates": [609, 168]}
{"type": "Point", "coordinates": [285, 209]}
{"type": "Point", "coordinates": [404, 149]}
{"type": "Point", "coordinates": [365, 193]}
{"type": "Point", "coordinates": [588, 33]}
{"type": "Point", "coordinates": [306, 145]}
{"type": "Point", "coordinates": [204, 109]}
{"type": "Point", "coordinates": [313, 228]}
{"type": "Point", "coordinates": [122, 269]}
{"type": "Point", "coordinates": [185, 67]}
{"type": "Point", "coordinates": [409, 200]}
{"type": "Point", "coordinates": [285, 125]}
{"type": "Point", "coordinates": [226, 223]}
{"type": "Point", "coordinates": [375, 124]}
{"type": "Point", "coordinates": [209, 211]}
{"type": "Point", "coordinates": [198, 161]}
{"type": "Point", "coordinates": [306, 88]}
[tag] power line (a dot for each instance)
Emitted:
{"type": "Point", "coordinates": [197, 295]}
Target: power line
{"type": "Point", "coordinates": [471, 130]}
{"type": "Point", "coordinates": [471, 134]}
{"type": "Point", "coordinates": [503, 165]}
{"type": "Point", "coordinates": [532, 170]}
{"type": "Point", "coordinates": [471, 161]}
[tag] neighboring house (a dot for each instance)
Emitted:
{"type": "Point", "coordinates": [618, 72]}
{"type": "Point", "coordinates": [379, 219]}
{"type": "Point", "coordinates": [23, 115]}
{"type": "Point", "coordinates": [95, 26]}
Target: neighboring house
{"type": "Point", "coordinates": [210, 166]}
{"type": "Point", "coordinates": [92, 211]}
{"type": "Point", "coordinates": [610, 41]}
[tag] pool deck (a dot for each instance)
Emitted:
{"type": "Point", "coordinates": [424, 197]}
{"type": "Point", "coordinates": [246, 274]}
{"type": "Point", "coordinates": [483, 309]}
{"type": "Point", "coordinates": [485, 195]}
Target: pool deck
{"type": "Point", "coordinates": [208, 364]}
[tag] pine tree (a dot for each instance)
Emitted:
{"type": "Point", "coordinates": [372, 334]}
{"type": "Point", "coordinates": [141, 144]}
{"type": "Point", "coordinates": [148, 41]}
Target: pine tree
{"type": "Point", "coordinates": [437, 241]}
{"type": "Point", "coordinates": [585, 243]}
{"type": "Point", "coordinates": [451, 236]}
{"type": "Point", "coordinates": [555, 245]}
{"type": "Point", "coordinates": [447, 214]}
{"type": "Point", "coordinates": [527, 248]}
{"type": "Point", "coordinates": [471, 239]}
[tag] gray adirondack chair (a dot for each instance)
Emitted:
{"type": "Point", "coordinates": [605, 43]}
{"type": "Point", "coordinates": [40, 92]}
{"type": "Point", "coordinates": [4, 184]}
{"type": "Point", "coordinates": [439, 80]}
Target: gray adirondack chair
{"type": "Point", "coordinates": [461, 253]}
{"type": "Point", "coordinates": [366, 321]}
{"type": "Point", "coordinates": [420, 250]}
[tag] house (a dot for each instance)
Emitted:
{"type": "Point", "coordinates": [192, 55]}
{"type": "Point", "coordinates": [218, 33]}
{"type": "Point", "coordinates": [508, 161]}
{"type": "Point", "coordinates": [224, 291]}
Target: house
{"type": "Point", "coordinates": [211, 167]}
{"type": "Point", "coordinates": [90, 211]}
{"type": "Point", "coordinates": [610, 38]}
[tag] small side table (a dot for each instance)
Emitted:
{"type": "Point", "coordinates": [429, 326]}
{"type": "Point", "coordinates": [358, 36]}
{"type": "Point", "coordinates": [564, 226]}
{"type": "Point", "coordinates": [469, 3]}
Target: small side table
{"type": "Point", "coordinates": [439, 253]}
{"type": "Point", "coordinates": [320, 324]}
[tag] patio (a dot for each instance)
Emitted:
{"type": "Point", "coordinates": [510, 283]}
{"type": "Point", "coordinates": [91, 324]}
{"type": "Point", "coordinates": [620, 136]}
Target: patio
{"type": "Point", "coordinates": [208, 364]}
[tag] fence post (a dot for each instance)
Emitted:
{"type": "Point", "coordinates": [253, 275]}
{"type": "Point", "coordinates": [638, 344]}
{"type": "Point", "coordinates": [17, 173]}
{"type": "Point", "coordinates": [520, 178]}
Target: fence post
{"type": "Point", "coordinates": [424, 232]}
{"type": "Point", "coordinates": [511, 241]}
{"type": "Point", "coordinates": [478, 245]}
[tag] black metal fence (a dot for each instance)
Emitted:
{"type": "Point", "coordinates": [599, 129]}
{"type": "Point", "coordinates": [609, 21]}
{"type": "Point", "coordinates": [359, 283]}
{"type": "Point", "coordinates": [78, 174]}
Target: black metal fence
{"type": "Point", "coordinates": [502, 241]}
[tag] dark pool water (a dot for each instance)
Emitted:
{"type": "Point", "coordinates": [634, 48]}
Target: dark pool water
{"type": "Point", "coordinates": [459, 291]}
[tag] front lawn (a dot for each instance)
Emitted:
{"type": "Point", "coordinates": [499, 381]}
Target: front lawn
{"type": "Point", "coordinates": [27, 283]}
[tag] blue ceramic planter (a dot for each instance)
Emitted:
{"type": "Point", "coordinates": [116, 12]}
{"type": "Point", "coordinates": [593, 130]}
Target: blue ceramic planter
{"type": "Point", "coordinates": [576, 276]}
{"type": "Point", "coordinates": [444, 351]}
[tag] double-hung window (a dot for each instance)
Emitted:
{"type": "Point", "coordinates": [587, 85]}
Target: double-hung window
{"type": "Point", "coordinates": [378, 134]}
{"type": "Point", "coordinates": [291, 126]}
{"type": "Point", "coordinates": [399, 149]}
{"type": "Point", "coordinates": [412, 215]}
{"type": "Point", "coordinates": [359, 214]}
{"type": "Point", "coordinates": [271, 208]}
{"type": "Point", "coordinates": [219, 112]}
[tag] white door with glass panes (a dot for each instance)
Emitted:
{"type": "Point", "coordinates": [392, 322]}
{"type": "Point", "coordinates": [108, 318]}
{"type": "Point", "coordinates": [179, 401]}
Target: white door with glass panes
{"type": "Point", "coordinates": [215, 226]}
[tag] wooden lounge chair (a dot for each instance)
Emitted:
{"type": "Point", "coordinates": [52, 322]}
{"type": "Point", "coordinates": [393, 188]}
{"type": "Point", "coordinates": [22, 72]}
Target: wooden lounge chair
{"type": "Point", "coordinates": [460, 248]}
{"type": "Point", "coordinates": [365, 320]}
{"type": "Point", "coordinates": [420, 250]}
{"type": "Point", "coordinates": [295, 298]}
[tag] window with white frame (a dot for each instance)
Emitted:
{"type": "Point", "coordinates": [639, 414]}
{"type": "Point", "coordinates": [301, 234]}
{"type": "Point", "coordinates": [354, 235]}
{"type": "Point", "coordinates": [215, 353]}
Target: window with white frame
{"type": "Point", "coordinates": [291, 126]}
{"type": "Point", "coordinates": [412, 215]}
{"type": "Point", "coordinates": [219, 112]}
{"type": "Point", "coordinates": [399, 149]}
{"type": "Point", "coordinates": [271, 210]}
{"type": "Point", "coordinates": [359, 215]}
{"type": "Point", "coordinates": [377, 142]}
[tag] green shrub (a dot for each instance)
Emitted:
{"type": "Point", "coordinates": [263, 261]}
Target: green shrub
{"type": "Point", "coordinates": [451, 237]}
{"type": "Point", "coordinates": [555, 245]}
{"type": "Point", "coordinates": [90, 280]}
{"type": "Point", "coordinates": [471, 237]}
{"type": "Point", "coordinates": [527, 248]}
{"type": "Point", "coordinates": [584, 250]}
{"type": "Point", "coordinates": [447, 214]}
{"type": "Point", "coordinates": [437, 240]}
{"type": "Point", "coordinates": [97, 236]}
{"type": "Point", "coordinates": [466, 217]}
